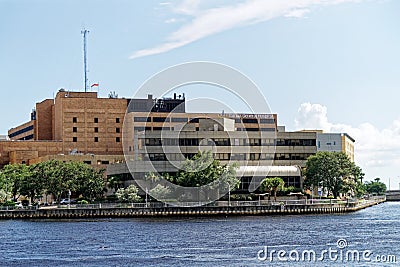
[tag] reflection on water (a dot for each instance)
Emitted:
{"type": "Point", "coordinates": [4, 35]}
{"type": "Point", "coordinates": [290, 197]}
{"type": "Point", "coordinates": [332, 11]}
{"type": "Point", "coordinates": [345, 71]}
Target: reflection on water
{"type": "Point", "coordinates": [219, 241]}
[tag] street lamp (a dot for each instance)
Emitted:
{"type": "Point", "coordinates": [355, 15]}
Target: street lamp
{"type": "Point", "coordinates": [69, 198]}
{"type": "Point", "coordinates": [146, 197]}
{"type": "Point", "coordinates": [229, 195]}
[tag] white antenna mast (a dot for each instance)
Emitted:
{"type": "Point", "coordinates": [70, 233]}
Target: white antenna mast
{"type": "Point", "coordinates": [84, 32]}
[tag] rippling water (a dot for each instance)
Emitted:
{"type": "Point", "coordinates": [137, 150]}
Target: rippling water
{"type": "Point", "coordinates": [233, 241]}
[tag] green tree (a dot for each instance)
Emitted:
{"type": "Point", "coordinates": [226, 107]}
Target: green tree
{"type": "Point", "coordinates": [375, 187]}
{"type": "Point", "coordinates": [203, 169]}
{"type": "Point", "coordinates": [129, 194]}
{"type": "Point", "coordinates": [115, 182]}
{"type": "Point", "coordinates": [55, 176]}
{"type": "Point", "coordinates": [332, 171]}
{"type": "Point", "coordinates": [160, 192]}
{"type": "Point", "coordinates": [14, 178]}
{"type": "Point", "coordinates": [60, 177]}
{"type": "Point", "coordinates": [85, 180]}
{"type": "Point", "coordinates": [272, 185]}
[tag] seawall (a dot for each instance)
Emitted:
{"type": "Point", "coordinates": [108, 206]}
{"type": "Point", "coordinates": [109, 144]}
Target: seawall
{"type": "Point", "coordinates": [97, 211]}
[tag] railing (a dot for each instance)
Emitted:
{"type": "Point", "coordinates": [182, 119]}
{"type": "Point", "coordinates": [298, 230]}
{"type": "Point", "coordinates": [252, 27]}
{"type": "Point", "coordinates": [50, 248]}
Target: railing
{"type": "Point", "coordinates": [232, 203]}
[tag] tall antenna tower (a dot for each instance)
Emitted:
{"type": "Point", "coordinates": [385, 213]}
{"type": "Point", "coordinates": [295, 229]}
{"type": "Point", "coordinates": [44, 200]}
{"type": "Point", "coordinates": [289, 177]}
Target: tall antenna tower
{"type": "Point", "coordinates": [84, 32]}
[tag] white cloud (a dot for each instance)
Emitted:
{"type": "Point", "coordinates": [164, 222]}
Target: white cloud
{"type": "Point", "coordinates": [298, 13]}
{"type": "Point", "coordinates": [377, 150]}
{"type": "Point", "coordinates": [173, 20]}
{"type": "Point", "coordinates": [208, 20]}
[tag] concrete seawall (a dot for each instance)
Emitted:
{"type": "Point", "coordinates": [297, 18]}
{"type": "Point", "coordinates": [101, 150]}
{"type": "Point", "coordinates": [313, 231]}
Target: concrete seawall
{"type": "Point", "coordinates": [76, 213]}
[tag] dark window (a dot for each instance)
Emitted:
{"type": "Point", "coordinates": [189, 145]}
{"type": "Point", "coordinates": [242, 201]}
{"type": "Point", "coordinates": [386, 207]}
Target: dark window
{"type": "Point", "coordinates": [161, 129]}
{"type": "Point", "coordinates": [74, 129]}
{"type": "Point", "coordinates": [238, 120]}
{"type": "Point", "coordinates": [117, 120]}
{"type": "Point", "coordinates": [194, 120]}
{"type": "Point", "coordinates": [139, 129]}
{"type": "Point", "coordinates": [117, 130]}
{"type": "Point", "coordinates": [105, 162]}
{"type": "Point", "coordinates": [74, 139]}
{"type": "Point", "coordinates": [222, 142]}
{"type": "Point", "coordinates": [160, 119]}
{"type": "Point", "coordinates": [27, 129]}
{"type": "Point", "coordinates": [267, 129]}
{"type": "Point", "coordinates": [142, 119]}
{"type": "Point", "coordinates": [96, 129]}
{"type": "Point", "coordinates": [267, 121]}
{"type": "Point", "coordinates": [250, 121]}
{"type": "Point", "coordinates": [96, 120]}
{"type": "Point", "coordinates": [96, 139]}
{"type": "Point", "coordinates": [252, 129]}
{"type": "Point", "coordinates": [74, 119]}
{"type": "Point", "coordinates": [28, 137]}
{"type": "Point", "coordinates": [117, 139]}
{"type": "Point", "coordinates": [179, 119]}
{"type": "Point", "coordinates": [157, 157]}
{"type": "Point", "coordinates": [87, 162]}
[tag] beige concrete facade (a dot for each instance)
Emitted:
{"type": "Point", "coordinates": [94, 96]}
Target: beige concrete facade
{"type": "Point", "coordinates": [72, 123]}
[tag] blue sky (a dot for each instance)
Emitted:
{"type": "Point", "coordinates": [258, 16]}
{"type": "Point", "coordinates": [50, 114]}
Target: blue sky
{"type": "Point", "coordinates": [331, 64]}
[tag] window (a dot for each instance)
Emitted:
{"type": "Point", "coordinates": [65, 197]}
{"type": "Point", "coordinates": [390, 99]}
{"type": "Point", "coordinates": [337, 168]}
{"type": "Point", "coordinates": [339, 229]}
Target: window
{"type": "Point", "coordinates": [139, 129]}
{"type": "Point", "coordinates": [87, 162]}
{"type": "Point", "coordinates": [267, 121]}
{"type": "Point", "coordinates": [117, 120]}
{"type": "Point", "coordinates": [117, 139]}
{"type": "Point", "coordinates": [74, 119]}
{"type": "Point", "coordinates": [179, 119]}
{"type": "Point", "coordinates": [222, 141]}
{"type": "Point", "coordinates": [27, 129]}
{"type": "Point", "coordinates": [250, 121]}
{"type": "Point", "coordinates": [141, 119]}
{"type": "Point", "coordinates": [267, 129]}
{"type": "Point", "coordinates": [160, 119]}
{"type": "Point", "coordinates": [194, 120]}
{"type": "Point", "coordinates": [117, 130]}
{"type": "Point", "coordinates": [75, 129]}
{"type": "Point", "coordinates": [254, 156]}
{"type": "Point", "coordinates": [96, 139]}
{"type": "Point", "coordinates": [252, 129]}
{"type": "Point", "coordinates": [74, 139]}
{"type": "Point", "coordinates": [96, 120]}
{"type": "Point", "coordinates": [96, 129]}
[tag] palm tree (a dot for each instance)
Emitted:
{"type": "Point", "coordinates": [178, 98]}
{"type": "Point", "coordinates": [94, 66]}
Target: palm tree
{"type": "Point", "coordinates": [270, 185]}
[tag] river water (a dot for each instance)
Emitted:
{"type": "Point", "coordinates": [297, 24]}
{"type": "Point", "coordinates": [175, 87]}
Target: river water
{"type": "Point", "coordinates": [372, 233]}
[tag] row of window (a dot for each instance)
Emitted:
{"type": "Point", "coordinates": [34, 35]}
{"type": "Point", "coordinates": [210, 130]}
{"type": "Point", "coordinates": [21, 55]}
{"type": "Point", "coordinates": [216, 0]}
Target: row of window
{"type": "Point", "coordinates": [28, 137]}
{"type": "Point", "coordinates": [148, 128]}
{"type": "Point", "coordinates": [227, 142]}
{"type": "Point", "coordinates": [196, 120]}
{"type": "Point", "coordinates": [95, 129]}
{"type": "Point", "coordinates": [295, 142]}
{"type": "Point", "coordinates": [289, 181]}
{"type": "Point", "coordinates": [24, 130]}
{"type": "Point", "coordinates": [95, 120]}
{"type": "Point", "coordinates": [229, 156]}
{"type": "Point", "coordinates": [96, 139]}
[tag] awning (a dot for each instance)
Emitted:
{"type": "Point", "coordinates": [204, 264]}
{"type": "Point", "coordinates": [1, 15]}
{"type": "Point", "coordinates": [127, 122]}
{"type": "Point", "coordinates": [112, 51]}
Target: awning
{"type": "Point", "coordinates": [271, 171]}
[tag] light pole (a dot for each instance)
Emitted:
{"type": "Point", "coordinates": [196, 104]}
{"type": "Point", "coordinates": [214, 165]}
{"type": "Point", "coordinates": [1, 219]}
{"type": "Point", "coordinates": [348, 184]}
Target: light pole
{"type": "Point", "coordinates": [6, 191]}
{"type": "Point", "coordinates": [69, 198]}
{"type": "Point", "coordinates": [146, 197]}
{"type": "Point", "coordinates": [229, 195]}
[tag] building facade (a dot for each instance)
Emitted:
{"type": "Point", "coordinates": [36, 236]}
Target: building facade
{"type": "Point", "coordinates": [158, 135]}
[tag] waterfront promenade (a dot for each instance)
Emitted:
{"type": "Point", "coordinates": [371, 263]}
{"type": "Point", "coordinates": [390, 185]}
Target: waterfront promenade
{"type": "Point", "coordinates": [219, 208]}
